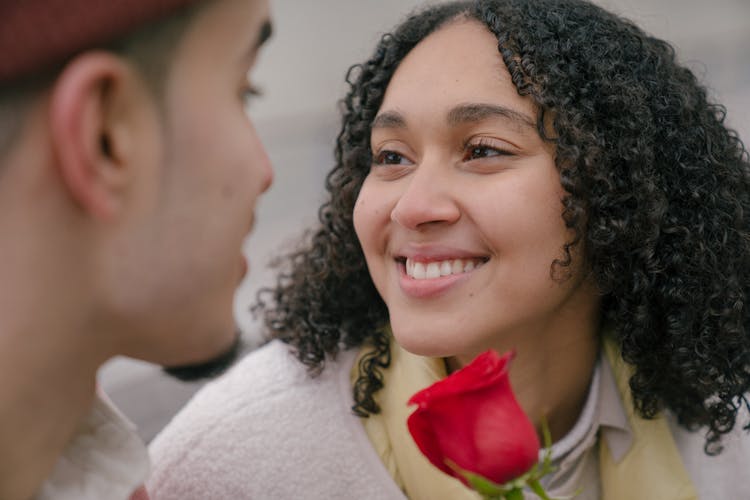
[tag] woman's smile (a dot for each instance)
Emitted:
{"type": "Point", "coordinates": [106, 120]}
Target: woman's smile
{"type": "Point", "coordinates": [423, 279]}
{"type": "Point", "coordinates": [428, 270]}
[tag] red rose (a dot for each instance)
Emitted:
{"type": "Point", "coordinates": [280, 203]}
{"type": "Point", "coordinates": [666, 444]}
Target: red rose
{"type": "Point", "coordinates": [473, 419]}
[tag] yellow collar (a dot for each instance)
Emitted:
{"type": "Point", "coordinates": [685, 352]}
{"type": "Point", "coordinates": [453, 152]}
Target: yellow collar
{"type": "Point", "coordinates": [651, 469]}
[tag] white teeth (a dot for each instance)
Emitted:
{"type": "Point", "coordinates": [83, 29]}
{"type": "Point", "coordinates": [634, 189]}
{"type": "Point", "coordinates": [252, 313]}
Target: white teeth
{"type": "Point", "coordinates": [432, 270]}
{"type": "Point", "coordinates": [445, 268]}
{"type": "Point", "coordinates": [418, 271]}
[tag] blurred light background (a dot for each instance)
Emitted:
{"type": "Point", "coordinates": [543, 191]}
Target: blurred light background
{"type": "Point", "coordinates": [301, 73]}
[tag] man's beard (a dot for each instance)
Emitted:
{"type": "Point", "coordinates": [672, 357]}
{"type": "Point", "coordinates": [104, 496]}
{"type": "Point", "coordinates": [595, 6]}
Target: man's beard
{"type": "Point", "coordinates": [210, 368]}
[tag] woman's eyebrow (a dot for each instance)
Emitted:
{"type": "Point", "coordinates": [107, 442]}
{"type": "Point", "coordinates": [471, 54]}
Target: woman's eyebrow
{"type": "Point", "coordinates": [460, 114]}
{"type": "Point", "coordinates": [389, 119]}
{"type": "Point", "coordinates": [474, 112]}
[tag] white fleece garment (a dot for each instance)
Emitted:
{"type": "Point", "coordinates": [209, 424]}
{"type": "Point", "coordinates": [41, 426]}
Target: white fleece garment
{"type": "Point", "coordinates": [266, 430]}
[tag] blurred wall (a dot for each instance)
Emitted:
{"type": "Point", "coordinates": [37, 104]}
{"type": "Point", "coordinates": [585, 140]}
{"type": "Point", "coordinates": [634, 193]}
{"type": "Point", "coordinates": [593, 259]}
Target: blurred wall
{"type": "Point", "coordinates": [302, 74]}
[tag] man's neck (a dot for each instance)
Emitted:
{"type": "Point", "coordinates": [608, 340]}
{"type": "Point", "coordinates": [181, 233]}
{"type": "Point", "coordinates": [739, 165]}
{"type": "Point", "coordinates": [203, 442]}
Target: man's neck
{"type": "Point", "coordinates": [44, 395]}
{"type": "Point", "coordinates": [52, 340]}
{"type": "Point", "coordinates": [50, 351]}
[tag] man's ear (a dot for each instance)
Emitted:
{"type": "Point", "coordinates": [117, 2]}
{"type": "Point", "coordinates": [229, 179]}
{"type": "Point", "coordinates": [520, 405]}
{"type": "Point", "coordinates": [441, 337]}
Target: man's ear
{"type": "Point", "coordinates": [96, 112]}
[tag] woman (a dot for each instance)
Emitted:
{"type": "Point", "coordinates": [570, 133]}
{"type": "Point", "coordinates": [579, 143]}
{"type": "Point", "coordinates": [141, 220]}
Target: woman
{"type": "Point", "coordinates": [538, 176]}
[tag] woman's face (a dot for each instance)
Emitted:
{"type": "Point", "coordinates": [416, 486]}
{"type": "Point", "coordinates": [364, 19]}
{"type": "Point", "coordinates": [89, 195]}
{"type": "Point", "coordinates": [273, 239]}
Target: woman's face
{"type": "Point", "coordinates": [460, 215]}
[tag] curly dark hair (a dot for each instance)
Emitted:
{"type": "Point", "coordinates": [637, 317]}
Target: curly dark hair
{"type": "Point", "coordinates": [657, 195]}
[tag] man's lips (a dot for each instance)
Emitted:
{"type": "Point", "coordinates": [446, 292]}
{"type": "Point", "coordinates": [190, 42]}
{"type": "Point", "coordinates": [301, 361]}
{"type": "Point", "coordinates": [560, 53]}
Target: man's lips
{"type": "Point", "coordinates": [243, 266]}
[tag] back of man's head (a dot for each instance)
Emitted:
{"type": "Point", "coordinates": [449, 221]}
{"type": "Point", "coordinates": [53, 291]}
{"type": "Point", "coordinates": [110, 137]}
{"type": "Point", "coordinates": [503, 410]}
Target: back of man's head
{"type": "Point", "coordinates": [38, 34]}
{"type": "Point", "coordinates": [38, 37]}
{"type": "Point", "coordinates": [129, 175]}
{"type": "Point", "coordinates": [124, 140]}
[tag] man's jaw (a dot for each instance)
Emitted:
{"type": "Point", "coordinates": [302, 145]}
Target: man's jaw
{"type": "Point", "coordinates": [210, 368]}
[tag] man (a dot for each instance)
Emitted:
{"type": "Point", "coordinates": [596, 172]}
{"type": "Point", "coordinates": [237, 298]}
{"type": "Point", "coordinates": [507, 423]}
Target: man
{"type": "Point", "coordinates": [129, 172]}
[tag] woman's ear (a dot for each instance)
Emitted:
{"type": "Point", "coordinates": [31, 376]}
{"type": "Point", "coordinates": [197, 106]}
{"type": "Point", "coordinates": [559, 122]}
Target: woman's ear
{"type": "Point", "coordinates": [96, 115]}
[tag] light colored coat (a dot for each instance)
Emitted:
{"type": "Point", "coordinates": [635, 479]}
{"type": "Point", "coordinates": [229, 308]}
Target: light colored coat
{"type": "Point", "coordinates": [266, 430]}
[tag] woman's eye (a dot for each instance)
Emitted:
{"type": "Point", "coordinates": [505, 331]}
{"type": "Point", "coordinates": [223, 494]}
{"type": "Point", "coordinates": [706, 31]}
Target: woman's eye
{"type": "Point", "coordinates": [477, 152]}
{"type": "Point", "coordinates": [484, 149]}
{"type": "Point", "coordinates": [389, 158]}
{"type": "Point", "coordinates": [481, 152]}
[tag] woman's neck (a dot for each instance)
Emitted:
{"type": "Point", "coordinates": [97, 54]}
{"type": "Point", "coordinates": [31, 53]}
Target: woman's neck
{"type": "Point", "coordinates": [551, 382]}
{"type": "Point", "coordinates": [553, 366]}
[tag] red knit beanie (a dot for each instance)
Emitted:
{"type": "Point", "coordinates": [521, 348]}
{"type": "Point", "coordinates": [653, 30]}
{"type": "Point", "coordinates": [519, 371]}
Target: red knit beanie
{"type": "Point", "coordinates": [36, 34]}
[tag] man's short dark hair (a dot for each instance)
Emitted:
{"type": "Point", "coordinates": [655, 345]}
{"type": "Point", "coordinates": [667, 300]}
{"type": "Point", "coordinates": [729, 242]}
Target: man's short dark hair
{"type": "Point", "coordinates": [150, 49]}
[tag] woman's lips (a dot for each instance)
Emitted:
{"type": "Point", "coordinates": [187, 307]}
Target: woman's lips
{"type": "Point", "coordinates": [433, 269]}
{"type": "Point", "coordinates": [424, 279]}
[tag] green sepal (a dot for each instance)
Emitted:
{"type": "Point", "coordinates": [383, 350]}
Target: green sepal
{"type": "Point", "coordinates": [537, 488]}
{"type": "Point", "coordinates": [478, 483]}
{"type": "Point", "coordinates": [514, 494]}
{"type": "Point", "coordinates": [484, 486]}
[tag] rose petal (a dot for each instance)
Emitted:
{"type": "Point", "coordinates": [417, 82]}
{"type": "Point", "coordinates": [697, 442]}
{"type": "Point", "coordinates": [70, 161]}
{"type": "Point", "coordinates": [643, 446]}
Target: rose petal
{"type": "Point", "coordinates": [473, 419]}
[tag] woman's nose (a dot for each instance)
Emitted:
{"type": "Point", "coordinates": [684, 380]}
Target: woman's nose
{"type": "Point", "coordinates": [428, 199]}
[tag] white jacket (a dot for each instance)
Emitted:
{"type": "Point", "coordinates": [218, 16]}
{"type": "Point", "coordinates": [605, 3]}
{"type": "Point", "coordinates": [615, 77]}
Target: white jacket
{"type": "Point", "coordinates": [267, 430]}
